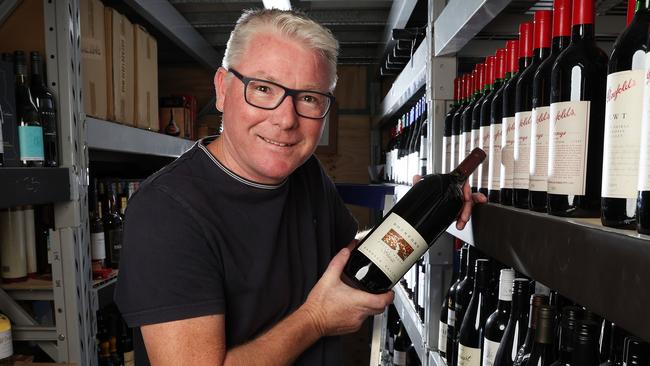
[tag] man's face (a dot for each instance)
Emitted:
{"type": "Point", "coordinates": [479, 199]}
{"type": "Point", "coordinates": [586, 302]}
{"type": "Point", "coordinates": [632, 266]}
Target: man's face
{"type": "Point", "coordinates": [266, 146]}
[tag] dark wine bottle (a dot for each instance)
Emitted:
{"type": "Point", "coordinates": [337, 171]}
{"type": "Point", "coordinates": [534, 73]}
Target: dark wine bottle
{"type": "Point", "coordinates": [623, 114]}
{"type": "Point", "coordinates": [470, 337]}
{"type": "Point", "coordinates": [476, 121]}
{"type": "Point", "coordinates": [97, 238]}
{"type": "Point", "coordinates": [578, 84]}
{"type": "Point", "coordinates": [484, 122]}
{"type": "Point", "coordinates": [466, 117]}
{"type": "Point", "coordinates": [585, 345]}
{"type": "Point", "coordinates": [443, 328]}
{"type": "Point", "coordinates": [524, 107]}
{"type": "Point", "coordinates": [543, 351]}
{"type": "Point", "coordinates": [525, 55]}
{"type": "Point", "coordinates": [515, 331]}
{"type": "Point", "coordinates": [496, 132]}
{"type": "Point", "coordinates": [46, 111]}
{"type": "Point", "coordinates": [456, 125]}
{"type": "Point", "coordinates": [496, 323]}
{"type": "Point", "coordinates": [463, 296]}
{"type": "Point", "coordinates": [568, 323]}
{"type": "Point", "coordinates": [113, 226]}
{"type": "Point", "coordinates": [452, 325]}
{"type": "Point", "coordinates": [541, 107]}
{"type": "Point", "coordinates": [536, 301]}
{"type": "Point", "coordinates": [406, 232]}
{"type": "Point", "coordinates": [616, 345]}
{"type": "Point", "coordinates": [446, 139]}
{"type": "Point", "coordinates": [423, 143]}
{"type": "Point", "coordinates": [30, 131]}
{"type": "Point", "coordinates": [401, 347]}
{"type": "Point", "coordinates": [636, 352]}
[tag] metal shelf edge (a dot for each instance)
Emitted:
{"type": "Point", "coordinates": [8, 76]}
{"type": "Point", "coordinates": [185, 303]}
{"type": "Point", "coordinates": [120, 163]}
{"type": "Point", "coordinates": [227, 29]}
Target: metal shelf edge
{"type": "Point", "coordinates": [410, 320]}
{"type": "Point", "coordinates": [34, 186]}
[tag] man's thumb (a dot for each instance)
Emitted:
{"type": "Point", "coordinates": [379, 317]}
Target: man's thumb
{"type": "Point", "coordinates": [337, 263]}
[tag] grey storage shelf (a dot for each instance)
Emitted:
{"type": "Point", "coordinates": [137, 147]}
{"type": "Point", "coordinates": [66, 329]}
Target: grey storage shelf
{"type": "Point", "coordinates": [602, 268]}
{"type": "Point", "coordinates": [33, 186]}
{"type": "Point", "coordinates": [412, 323]}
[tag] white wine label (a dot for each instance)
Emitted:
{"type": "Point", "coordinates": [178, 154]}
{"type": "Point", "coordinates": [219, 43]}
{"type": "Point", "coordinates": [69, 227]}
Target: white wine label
{"type": "Point", "coordinates": [446, 164]}
{"type": "Point", "coordinates": [568, 144]}
{"type": "Point", "coordinates": [644, 161]}
{"type": "Point", "coordinates": [442, 337]}
{"type": "Point", "coordinates": [507, 153]}
{"type": "Point", "coordinates": [451, 318]}
{"type": "Point", "coordinates": [523, 123]}
{"type": "Point", "coordinates": [474, 144]}
{"type": "Point", "coordinates": [98, 246]}
{"type": "Point", "coordinates": [539, 149]}
{"type": "Point", "coordinates": [623, 113]}
{"type": "Point", "coordinates": [394, 247]}
{"type": "Point", "coordinates": [490, 349]}
{"type": "Point", "coordinates": [469, 356]}
{"type": "Point", "coordinates": [467, 145]}
{"type": "Point", "coordinates": [399, 358]}
{"type": "Point", "coordinates": [484, 144]}
{"type": "Point", "coordinates": [453, 152]}
{"type": "Point", "coordinates": [494, 172]}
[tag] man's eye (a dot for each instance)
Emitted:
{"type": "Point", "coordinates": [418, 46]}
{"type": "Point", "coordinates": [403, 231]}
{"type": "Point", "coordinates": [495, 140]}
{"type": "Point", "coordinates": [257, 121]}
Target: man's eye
{"type": "Point", "coordinates": [309, 99]}
{"type": "Point", "coordinates": [263, 88]}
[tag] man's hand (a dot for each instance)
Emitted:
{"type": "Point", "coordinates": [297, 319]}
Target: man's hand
{"type": "Point", "coordinates": [469, 199]}
{"type": "Point", "coordinates": [336, 308]}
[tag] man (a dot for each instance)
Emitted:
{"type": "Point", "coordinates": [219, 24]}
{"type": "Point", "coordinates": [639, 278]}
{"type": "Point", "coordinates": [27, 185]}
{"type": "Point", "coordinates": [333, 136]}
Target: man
{"type": "Point", "coordinates": [230, 252]}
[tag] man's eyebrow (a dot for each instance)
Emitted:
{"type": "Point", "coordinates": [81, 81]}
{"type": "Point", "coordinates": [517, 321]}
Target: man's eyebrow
{"type": "Point", "coordinates": [265, 76]}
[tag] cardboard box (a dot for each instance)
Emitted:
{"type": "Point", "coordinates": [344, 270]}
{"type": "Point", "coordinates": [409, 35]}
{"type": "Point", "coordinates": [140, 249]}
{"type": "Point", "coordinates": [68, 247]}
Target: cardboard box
{"type": "Point", "coordinates": [94, 63]}
{"type": "Point", "coordinates": [146, 80]}
{"type": "Point", "coordinates": [121, 75]}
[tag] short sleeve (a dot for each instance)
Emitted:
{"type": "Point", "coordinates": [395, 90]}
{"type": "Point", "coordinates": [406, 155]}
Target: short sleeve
{"type": "Point", "coordinates": [168, 271]}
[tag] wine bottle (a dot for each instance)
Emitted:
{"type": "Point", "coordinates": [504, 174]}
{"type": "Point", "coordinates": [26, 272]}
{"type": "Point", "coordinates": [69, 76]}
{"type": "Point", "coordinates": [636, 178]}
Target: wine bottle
{"type": "Point", "coordinates": [484, 122]}
{"type": "Point", "coordinates": [422, 288]}
{"type": "Point", "coordinates": [623, 114]}
{"type": "Point", "coordinates": [463, 296]}
{"type": "Point", "coordinates": [585, 346]}
{"type": "Point", "coordinates": [406, 232]}
{"type": "Point", "coordinates": [517, 66]}
{"type": "Point", "coordinates": [578, 84]}
{"type": "Point", "coordinates": [475, 179]}
{"type": "Point", "coordinates": [524, 107]}
{"type": "Point", "coordinates": [423, 142]}
{"type": "Point", "coordinates": [443, 328]}
{"type": "Point", "coordinates": [542, 352]}
{"type": "Point", "coordinates": [97, 238]}
{"type": "Point", "coordinates": [46, 111]}
{"type": "Point", "coordinates": [452, 325]}
{"type": "Point", "coordinates": [446, 143]}
{"type": "Point", "coordinates": [636, 352]}
{"type": "Point", "coordinates": [392, 326]}
{"type": "Point", "coordinates": [496, 114]}
{"type": "Point", "coordinates": [466, 117]}
{"type": "Point", "coordinates": [616, 343]}
{"type": "Point", "coordinates": [568, 324]}
{"type": "Point", "coordinates": [496, 323]}
{"type": "Point", "coordinates": [126, 345]}
{"type": "Point", "coordinates": [456, 125]}
{"type": "Point", "coordinates": [30, 131]}
{"type": "Point", "coordinates": [412, 358]}
{"type": "Point", "coordinates": [536, 301]}
{"type": "Point", "coordinates": [541, 107]}
{"type": "Point", "coordinates": [470, 337]}
{"type": "Point", "coordinates": [401, 346]}
{"type": "Point", "coordinates": [515, 331]}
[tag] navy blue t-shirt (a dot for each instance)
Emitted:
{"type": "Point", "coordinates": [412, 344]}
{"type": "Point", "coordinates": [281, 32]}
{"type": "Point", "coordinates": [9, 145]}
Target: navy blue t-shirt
{"type": "Point", "coordinates": [200, 240]}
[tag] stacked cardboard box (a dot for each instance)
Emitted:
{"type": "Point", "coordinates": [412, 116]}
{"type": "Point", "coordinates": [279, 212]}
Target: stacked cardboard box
{"type": "Point", "coordinates": [146, 81]}
{"type": "Point", "coordinates": [94, 62]}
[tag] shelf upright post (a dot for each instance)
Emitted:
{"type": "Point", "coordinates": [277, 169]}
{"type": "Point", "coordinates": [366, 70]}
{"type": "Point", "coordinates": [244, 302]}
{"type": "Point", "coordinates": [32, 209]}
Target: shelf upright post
{"type": "Point", "coordinates": [72, 280]}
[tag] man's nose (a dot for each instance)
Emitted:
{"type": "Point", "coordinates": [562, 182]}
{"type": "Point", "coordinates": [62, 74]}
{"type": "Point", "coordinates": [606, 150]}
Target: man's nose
{"type": "Point", "coordinates": [285, 114]}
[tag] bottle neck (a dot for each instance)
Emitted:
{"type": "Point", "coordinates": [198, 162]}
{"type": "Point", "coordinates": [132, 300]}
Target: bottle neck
{"type": "Point", "coordinates": [544, 331]}
{"type": "Point", "coordinates": [583, 33]}
{"type": "Point", "coordinates": [36, 75]}
{"type": "Point", "coordinates": [518, 306]}
{"type": "Point", "coordinates": [540, 54]}
{"type": "Point", "coordinates": [559, 43]}
{"type": "Point", "coordinates": [585, 353]}
{"type": "Point", "coordinates": [524, 62]}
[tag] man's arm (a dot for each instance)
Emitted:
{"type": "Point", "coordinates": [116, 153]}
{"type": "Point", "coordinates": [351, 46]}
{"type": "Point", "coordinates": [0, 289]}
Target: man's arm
{"type": "Point", "coordinates": [332, 308]}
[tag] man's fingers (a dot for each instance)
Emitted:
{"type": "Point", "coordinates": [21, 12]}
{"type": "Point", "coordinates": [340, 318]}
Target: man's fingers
{"type": "Point", "coordinates": [479, 198]}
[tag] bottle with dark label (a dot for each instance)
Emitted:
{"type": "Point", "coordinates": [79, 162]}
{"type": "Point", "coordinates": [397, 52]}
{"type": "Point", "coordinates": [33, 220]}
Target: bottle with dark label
{"type": "Point", "coordinates": [568, 323]}
{"type": "Point", "coordinates": [513, 336]}
{"type": "Point", "coordinates": [623, 114]}
{"type": "Point", "coordinates": [30, 130]}
{"type": "Point", "coordinates": [524, 107]}
{"type": "Point", "coordinates": [446, 139]}
{"type": "Point", "coordinates": [46, 110]}
{"type": "Point", "coordinates": [484, 122]}
{"type": "Point", "coordinates": [536, 301]}
{"type": "Point", "coordinates": [541, 107]}
{"type": "Point", "coordinates": [494, 114]}
{"type": "Point", "coordinates": [401, 347]}
{"type": "Point", "coordinates": [452, 325]}
{"type": "Point", "coordinates": [97, 238]}
{"type": "Point", "coordinates": [578, 85]}
{"type": "Point", "coordinates": [443, 328]}
{"type": "Point", "coordinates": [474, 179]}
{"type": "Point", "coordinates": [406, 232]}
{"type": "Point", "coordinates": [115, 231]}
{"type": "Point", "coordinates": [496, 323]}
{"type": "Point", "coordinates": [542, 352]}
{"type": "Point", "coordinates": [463, 296]}
{"type": "Point", "coordinates": [585, 345]}
{"type": "Point", "coordinates": [470, 338]}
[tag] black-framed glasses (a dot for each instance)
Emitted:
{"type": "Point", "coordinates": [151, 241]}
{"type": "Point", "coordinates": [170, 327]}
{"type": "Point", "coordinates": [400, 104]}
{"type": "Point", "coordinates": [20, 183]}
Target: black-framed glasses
{"type": "Point", "coordinates": [268, 95]}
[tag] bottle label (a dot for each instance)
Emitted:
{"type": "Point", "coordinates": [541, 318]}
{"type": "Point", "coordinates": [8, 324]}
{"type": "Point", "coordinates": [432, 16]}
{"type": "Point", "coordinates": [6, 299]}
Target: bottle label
{"type": "Point", "coordinates": [394, 247]}
{"type": "Point", "coordinates": [539, 149]}
{"type": "Point", "coordinates": [446, 164]}
{"type": "Point", "coordinates": [6, 347]}
{"type": "Point", "coordinates": [451, 318]}
{"type": "Point", "coordinates": [423, 154]}
{"type": "Point", "coordinates": [469, 356]}
{"type": "Point", "coordinates": [484, 144]}
{"type": "Point", "coordinates": [490, 349]}
{"type": "Point", "coordinates": [399, 358]}
{"type": "Point", "coordinates": [467, 144]}
{"type": "Point", "coordinates": [507, 153]}
{"type": "Point", "coordinates": [623, 114]}
{"type": "Point", "coordinates": [523, 122]}
{"type": "Point", "coordinates": [442, 337]}
{"type": "Point", "coordinates": [567, 160]}
{"type": "Point", "coordinates": [30, 140]}
{"type": "Point", "coordinates": [475, 141]}
{"type": "Point", "coordinates": [453, 152]}
{"type": "Point", "coordinates": [129, 358]}
{"type": "Point", "coordinates": [494, 172]}
{"type": "Point", "coordinates": [115, 244]}
{"type": "Point", "coordinates": [644, 162]}
{"type": "Point", "coordinates": [98, 246]}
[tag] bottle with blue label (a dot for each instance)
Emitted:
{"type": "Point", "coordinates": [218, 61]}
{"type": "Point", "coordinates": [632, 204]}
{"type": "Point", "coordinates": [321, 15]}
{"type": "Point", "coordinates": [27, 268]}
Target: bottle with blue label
{"type": "Point", "coordinates": [30, 131]}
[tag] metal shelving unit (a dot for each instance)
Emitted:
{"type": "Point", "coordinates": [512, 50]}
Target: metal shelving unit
{"type": "Point", "coordinates": [411, 321]}
{"type": "Point", "coordinates": [34, 186]}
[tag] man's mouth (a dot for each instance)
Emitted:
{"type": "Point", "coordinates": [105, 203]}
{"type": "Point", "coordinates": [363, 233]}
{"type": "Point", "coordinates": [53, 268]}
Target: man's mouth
{"type": "Point", "coordinates": [276, 143]}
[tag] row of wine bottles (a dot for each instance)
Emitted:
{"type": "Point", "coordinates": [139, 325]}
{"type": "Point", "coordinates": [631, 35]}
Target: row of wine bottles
{"type": "Point", "coordinates": [28, 132]}
{"type": "Point", "coordinates": [525, 324]}
{"type": "Point", "coordinates": [114, 339]}
{"type": "Point", "coordinates": [566, 128]}
{"type": "Point", "coordinates": [406, 152]}
{"type": "Point", "coordinates": [398, 348]}
{"type": "Point", "coordinates": [109, 200]}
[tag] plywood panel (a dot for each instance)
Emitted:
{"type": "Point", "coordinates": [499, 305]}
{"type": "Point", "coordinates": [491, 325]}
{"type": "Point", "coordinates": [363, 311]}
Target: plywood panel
{"type": "Point", "coordinates": [24, 29]}
{"type": "Point", "coordinates": [352, 88]}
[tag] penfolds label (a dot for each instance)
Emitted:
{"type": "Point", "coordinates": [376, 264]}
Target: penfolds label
{"type": "Point", "coordinates": [539, 149]}
{"type": "Point", "coordinates": [469, 356]}
{"type": "Point", "coordinates": [507, 154]}
{"type": "Point", "coordinates": [484, 144]}
{"type": "Point", "coordinates": [494, 172]}
{"type": "Point", "coordinates": [623, 113]}
{"type": "Point", "coordinates": [568, 143]}
{"type": "Point", "coordinates": [394, 247]}
{"type": "Point", "coordinates": [523, 123]}
{"type": "Point", "coordinates": [644, 156]}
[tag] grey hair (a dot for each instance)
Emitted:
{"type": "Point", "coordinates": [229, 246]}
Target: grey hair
{"type": "Point", "coordinates": [289, 23]}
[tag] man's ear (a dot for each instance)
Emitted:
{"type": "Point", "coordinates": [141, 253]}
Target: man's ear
{"type": "Point", "coordinates": [220, 87]}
